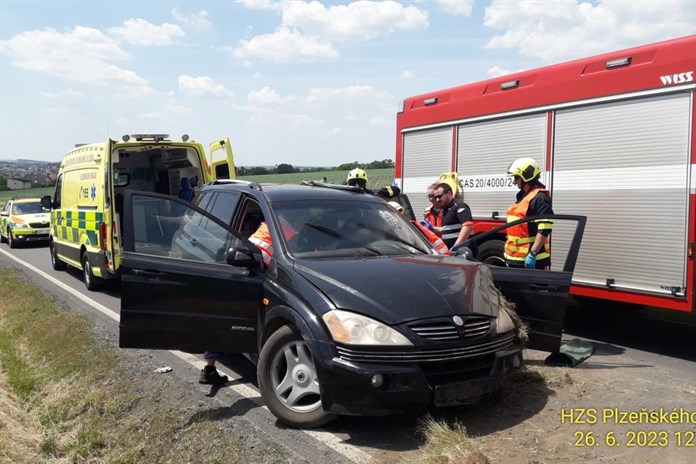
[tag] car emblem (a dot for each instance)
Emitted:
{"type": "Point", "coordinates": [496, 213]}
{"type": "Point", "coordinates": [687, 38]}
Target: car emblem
{"type": "Point", "coordinates": [458, 321]}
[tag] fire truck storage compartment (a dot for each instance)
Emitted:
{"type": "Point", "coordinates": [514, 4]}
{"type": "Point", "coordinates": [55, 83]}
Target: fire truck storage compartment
{"type": "Point", "coordinates": [626, 166]}
{"type": "Point", "coordinates": [427, 154]}
{"type": "Point", "coordinates": [484, 152]}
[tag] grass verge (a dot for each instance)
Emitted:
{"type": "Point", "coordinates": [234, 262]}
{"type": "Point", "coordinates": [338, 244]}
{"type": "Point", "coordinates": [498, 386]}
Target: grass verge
{"type": "Point", "coordinates": [63, 397]}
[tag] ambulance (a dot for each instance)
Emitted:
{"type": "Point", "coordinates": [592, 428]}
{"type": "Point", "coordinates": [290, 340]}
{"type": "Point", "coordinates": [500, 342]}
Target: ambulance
{"type": "Point", "coordinates": [86, 226]}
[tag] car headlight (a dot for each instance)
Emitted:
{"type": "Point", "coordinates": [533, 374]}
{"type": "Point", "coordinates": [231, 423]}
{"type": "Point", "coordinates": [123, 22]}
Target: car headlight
{"type": "Point", "coordinates": [22, 225]}
{"type": "Point", "coordinates": [503, 323]}
{"type": "Point", "coordinates": [354, 329]}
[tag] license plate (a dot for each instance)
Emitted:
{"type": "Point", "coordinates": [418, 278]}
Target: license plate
{"type": "Point", "coordinates": [453, 394]}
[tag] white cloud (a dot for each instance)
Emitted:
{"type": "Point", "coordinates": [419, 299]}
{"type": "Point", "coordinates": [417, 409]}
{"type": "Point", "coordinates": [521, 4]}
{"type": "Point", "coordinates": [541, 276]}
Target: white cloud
{"type": "Point", "coordinates": [408, 74]}
{"type": "Point", "coordinates": [261, 4]}
{"type": "Point", "coordinates": [174, 108]}
{"type": "Point", "coordinates": [267, 96]}
{"type": "Point", "coordinates": [283, 46]}
{"type": "Point", "coordinates": [361, 20]}
{"type": "Point", "coordinates": [151, 116]}
{"type": "Point", "coordinates": [67, 93]}
{"type": "Point", "coordinates": [198, 20]}
{"type": "Point", "coordinates": [497, 71]}
{"type": "Point", "coordinates": [322, 95]}
{"type": "Point", "coordinates": [82, 55]}
{"type": "Point", "coordinates": [202, 87]}
{"type": "Point", "coordinates": [140, 32]}
{"type": "Point", "coordinates": [457, 7]}
{"type": "Point", "coordinates": [569, 29]}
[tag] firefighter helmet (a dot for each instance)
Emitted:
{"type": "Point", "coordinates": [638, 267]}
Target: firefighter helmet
{"type": "Point", "coordinates": [357, 177]}
{"type": "Point", "coordinates": [525, 168]}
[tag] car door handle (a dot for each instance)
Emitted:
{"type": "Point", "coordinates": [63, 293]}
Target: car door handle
{"type": "Point", "coordinates": [544, 287]}
{"type": "Point", "coordinates": [143, 272]}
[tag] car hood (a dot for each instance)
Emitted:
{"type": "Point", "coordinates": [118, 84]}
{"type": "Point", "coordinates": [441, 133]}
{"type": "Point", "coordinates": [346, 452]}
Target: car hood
{"type": "Point", "coordinates": [35, 217]}
{"type": "Point", "coordinates": [402, 289]}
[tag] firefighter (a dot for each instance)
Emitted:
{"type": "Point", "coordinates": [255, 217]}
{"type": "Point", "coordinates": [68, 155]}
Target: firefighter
{"type": "Point", "coordinates": [358, 178]}
{"type": "Point", "coordinates": [527, 245]}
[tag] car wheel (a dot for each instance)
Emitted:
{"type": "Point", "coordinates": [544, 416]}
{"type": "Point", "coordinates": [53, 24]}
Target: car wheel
{"type": "Point", "coordinates": [492, 253]}
{"type": "Point", "coordinates": [56, 263]}
{"type": "Point", "coordinates": [92, 282]}
{"type": "Point", "coordinates": [10, 240]}
{"type": "Point", "coordinates": [289, 382]}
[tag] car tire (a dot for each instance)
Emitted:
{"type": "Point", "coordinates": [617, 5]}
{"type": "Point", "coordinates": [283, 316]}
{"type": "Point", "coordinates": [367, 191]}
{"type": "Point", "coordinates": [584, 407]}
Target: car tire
{"type": "Point", "coordinates": [56, 263]}
{"type": "Point", "coordinates": [10, 240]}
{"type": "Point", "coordinates": [291, 391]}
{"type": "Point", "coordinates": [492, 253]}
{"type": "Point", "coordinates": [92, 282]}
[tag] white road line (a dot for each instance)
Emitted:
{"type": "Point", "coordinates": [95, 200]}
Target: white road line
{"type": "Point", "coordinates": [329, 439]}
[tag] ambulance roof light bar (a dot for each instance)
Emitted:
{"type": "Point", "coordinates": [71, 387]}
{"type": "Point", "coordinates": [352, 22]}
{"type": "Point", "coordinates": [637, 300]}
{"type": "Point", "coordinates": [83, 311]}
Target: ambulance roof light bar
{"type": "Point", "coordinates": [146, 137]}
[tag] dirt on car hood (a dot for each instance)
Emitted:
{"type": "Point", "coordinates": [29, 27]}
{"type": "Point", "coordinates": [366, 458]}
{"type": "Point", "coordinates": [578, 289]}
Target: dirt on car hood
{"type": "Point", "coordinates": [403, 289]}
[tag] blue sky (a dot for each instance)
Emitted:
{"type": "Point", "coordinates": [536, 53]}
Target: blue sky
{"type": "Point", "coordinates": [305, 83]}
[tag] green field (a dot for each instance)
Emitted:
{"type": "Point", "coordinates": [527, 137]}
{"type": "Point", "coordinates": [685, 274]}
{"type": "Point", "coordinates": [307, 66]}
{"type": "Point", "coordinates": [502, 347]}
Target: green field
{"type": "Point", "coordinates": [25, 193]}
{"type": "Point", "coordinates": [377, 178]}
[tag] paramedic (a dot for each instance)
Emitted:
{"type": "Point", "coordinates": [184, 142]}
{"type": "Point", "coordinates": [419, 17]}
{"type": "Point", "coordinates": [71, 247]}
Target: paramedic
{"type": "Point", "coordinates": [527, 245]}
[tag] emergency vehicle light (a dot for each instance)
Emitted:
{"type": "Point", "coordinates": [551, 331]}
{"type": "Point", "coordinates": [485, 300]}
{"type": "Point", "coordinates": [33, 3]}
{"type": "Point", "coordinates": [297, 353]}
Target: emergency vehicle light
{"type": "Point", "coordinates": [510, 84]}
{"type": "Point", "coordinates": [185, 137]}
{"type": "Point", "coordinates": [153, 137]}
{"type": "Point", "coordinates": [618, 63]}
{"type": "Point", "coordinates": [430, 101]}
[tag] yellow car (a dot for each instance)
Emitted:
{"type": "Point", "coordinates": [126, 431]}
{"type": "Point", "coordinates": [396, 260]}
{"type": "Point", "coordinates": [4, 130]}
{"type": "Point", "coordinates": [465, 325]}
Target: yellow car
{"type": "Point", "coordinates": [24, 220]}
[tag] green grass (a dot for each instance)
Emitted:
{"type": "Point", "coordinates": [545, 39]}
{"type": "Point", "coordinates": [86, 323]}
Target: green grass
{"type": "Point", "coordinates": [377, 178]}
{"type": "Point", "coordinates": [25, 193]}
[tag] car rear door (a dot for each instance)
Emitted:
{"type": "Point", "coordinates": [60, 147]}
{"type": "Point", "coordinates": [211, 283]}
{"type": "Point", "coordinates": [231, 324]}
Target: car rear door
{"type": "Point", "coordinates": [222, 159]}
{"type": "Point", "coordinates": [178, 292]}
{"type": "Point", "coordinates": [541, 296]}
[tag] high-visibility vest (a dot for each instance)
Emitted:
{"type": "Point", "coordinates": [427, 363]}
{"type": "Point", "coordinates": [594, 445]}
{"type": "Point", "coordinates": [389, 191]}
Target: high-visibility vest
{"type": "Point", "coordinates": [518, 240]}
{"type": "Point", "coordinates": [262, 239]}
{"type": "Point", "coordinates": [434, 239]}
{"type": "Point", "coordinates": [434, 219]}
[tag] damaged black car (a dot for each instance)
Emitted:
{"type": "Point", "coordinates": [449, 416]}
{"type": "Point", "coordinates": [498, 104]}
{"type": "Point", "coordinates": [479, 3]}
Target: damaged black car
{"type": "Point", "coordinates": [355, 313]}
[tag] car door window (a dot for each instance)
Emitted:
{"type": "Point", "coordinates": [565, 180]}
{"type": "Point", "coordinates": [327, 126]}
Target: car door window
{"type": "Point", "coordinates": [163, 226]}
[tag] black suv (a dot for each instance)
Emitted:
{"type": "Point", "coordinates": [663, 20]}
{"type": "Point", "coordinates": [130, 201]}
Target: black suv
{"type": "Point", "coordinates": [356, 312]}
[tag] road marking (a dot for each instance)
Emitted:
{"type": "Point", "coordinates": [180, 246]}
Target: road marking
{"type": "Point", "coordinates": [329, 439]}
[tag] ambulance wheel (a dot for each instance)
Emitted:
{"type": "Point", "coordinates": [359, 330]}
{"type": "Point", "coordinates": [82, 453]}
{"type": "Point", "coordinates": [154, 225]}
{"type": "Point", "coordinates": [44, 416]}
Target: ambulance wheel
{"type": "Point", "coordinates": [491, 253]}
{"type": "Point", "coordinates": [56, 263]}
{"type": "Point", "coordinates": [289, 382]}
{"type": "Point", "coordinates": [92, 282]}
{"type": "Point", "coordinates": [10, 240]}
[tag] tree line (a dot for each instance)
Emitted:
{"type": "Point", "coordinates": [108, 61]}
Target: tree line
{"type": "Point", "coordinates": [285, 168]}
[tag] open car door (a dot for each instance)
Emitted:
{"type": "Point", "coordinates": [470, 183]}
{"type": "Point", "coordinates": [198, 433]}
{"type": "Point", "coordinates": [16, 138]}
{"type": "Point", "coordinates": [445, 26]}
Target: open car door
{"type": "Point", "coordinates": [188, 281]}
{"type": "Point", "coordinates": [540, 296]}
{"type": "Point", "coordinates": [222, 159]}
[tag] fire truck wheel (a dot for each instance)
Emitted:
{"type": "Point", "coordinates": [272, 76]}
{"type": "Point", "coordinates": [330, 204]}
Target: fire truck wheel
{"type": "Point", "coordinates": [491, 253]}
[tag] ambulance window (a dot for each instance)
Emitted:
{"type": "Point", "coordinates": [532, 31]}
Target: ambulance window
{"type": "Point", "coordinates": [59, 187]}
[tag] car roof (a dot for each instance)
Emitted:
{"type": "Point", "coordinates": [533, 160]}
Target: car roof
{"type": "Point", "coordinates": [294, 192]}
{"type": "Point", "coordinates": [26, 200]}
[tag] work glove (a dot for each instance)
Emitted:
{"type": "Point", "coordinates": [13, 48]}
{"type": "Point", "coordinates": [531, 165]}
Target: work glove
{"type": "Point", "coordinates": [425, 223]}
{"type": "Point", "coordinates": [530, 262]}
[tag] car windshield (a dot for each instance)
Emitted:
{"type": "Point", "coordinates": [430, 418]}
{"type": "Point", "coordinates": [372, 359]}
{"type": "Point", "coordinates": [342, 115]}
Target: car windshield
{"type": "Point", "coordinates": [27, 208]}
{"type": "Point", "coordinates": [340, 229]}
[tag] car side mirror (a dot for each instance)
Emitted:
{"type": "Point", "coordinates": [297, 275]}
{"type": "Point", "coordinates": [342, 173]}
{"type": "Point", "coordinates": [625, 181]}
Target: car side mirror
{"type": "Point", "coordinates": [4, 213]}
{"type": "Point", "coordinates": [46, 202]}
{"type": "Point", "coordinates": [464, 252]}
{"type": "Point", "coordinates": [241, 256]}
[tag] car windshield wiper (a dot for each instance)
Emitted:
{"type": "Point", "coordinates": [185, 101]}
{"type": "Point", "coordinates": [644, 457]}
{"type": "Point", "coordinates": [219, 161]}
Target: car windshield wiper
{"type": "Point", "coordinates": [326, 230]}
{"type": "Point", "coordinates": [332, 233]}
{"type": "Point", "coordinates": [393, 237]}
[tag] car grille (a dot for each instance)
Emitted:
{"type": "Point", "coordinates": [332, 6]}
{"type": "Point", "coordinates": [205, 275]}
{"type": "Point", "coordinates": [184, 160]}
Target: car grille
{"type": "Point", "coordinates": [38, 225]}
{"type": "Point", "coordinates": [426, 355]}
{"type": "Point", "coordinates": [446, 330]}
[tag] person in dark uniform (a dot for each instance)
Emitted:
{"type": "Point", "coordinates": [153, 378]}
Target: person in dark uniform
{"type": "Point", "coordinates": [527, 245]}
{"type": "Point", "coordinates": [457, 222]}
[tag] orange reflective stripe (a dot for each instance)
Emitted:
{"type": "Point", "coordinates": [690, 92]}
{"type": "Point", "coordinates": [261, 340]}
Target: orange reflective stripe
{"type": "Point", "coordinates": [434, 239]}
{"type": "Point", "coordinates": [262, 239]}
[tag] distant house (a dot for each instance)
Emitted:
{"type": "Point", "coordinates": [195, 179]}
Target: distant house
{"type": "Point", "coordinates": [18, 184]}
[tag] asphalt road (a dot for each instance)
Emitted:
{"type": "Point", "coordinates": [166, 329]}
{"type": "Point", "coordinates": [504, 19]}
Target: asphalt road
{"type": "Point", "coordinates": [654, 340]}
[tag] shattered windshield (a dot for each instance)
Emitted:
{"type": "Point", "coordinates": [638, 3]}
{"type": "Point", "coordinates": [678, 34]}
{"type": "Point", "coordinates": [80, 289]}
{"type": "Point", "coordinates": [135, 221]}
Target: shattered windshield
{"type": "Point", "coordinates": [346, 229]}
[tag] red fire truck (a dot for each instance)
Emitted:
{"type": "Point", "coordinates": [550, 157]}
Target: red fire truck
{"type": "Point", "coordinates": [614, 135]}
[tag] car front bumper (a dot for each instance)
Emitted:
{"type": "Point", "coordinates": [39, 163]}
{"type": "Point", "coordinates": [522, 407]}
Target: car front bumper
{"type": "Point", "coordinates": [352, 388]}
{"type": "Point", "coordinates": [30, 235]}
